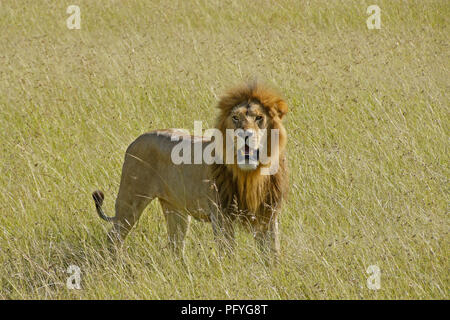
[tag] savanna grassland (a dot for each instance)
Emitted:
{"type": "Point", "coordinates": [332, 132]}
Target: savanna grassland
{"type": "Point", "coordinates": [368, 144]}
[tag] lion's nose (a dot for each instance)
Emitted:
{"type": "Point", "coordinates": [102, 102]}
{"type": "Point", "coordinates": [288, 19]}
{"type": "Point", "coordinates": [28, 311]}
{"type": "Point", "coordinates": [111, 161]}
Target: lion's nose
{"type": "Point", "coordinates": [247, 135]}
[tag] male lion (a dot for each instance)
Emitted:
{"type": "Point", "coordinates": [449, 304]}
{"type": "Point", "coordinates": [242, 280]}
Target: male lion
{"type": "Point", "coordinates": [220, 193]}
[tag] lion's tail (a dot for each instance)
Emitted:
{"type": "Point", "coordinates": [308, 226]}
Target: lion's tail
{"type": "Point", "coordinates": [98, 199]}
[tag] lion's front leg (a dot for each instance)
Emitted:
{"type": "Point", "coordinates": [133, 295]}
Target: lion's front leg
{"type": "Point", "coordinates": [267, 239]}
{"type": "Point", "coordinates": [223, 232]}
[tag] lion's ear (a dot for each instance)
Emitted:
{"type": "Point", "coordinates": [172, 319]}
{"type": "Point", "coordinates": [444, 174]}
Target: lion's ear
{"type": "Point", "coordinates": [282, 108]}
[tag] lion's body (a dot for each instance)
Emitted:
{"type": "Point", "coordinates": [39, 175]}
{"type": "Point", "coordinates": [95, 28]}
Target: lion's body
{"type": "Point", "coordinates": [218, 193]}
{"type": "Point", "coordinates": [148, 172]}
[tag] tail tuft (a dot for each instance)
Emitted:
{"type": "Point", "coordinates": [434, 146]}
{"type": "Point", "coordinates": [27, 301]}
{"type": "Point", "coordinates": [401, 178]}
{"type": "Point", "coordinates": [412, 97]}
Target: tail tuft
{"type": "Point", "coordinates": [98, 197]}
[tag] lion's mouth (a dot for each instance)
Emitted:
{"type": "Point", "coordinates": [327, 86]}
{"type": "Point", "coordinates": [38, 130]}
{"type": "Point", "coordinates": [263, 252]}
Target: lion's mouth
{"type": "Point", "coordinates": [248, 150]}
{"type": "Point", "coordinates": [250, 154]}
{"type": "Point", "coordinates": [248, 158]}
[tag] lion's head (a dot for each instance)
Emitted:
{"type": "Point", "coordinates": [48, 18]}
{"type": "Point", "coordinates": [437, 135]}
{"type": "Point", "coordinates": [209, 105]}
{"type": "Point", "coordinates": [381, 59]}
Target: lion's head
{"type": "Point", "coordinates": [249, 115]}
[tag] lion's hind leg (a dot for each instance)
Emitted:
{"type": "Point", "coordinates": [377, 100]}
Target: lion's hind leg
{"type": "Point", "coordinates": [177, 227]}
{"type": "Point", "coordinates": [129, 207]}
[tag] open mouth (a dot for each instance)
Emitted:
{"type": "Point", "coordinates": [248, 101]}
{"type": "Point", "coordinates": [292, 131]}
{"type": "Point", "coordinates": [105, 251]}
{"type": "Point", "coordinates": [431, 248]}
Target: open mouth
{"type": "Point", "coordinates": [248, 158]}
{"type": "Point", "coordinates": [250, 153]}
{"type": "Point", "coordinates": [247, 152]}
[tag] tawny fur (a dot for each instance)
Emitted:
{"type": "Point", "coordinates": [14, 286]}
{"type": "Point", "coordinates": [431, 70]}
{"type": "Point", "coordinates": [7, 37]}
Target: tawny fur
{"type": "Point", "coordinates": [218, 193]}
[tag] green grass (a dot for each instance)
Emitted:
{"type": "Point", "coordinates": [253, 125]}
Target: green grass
{"type": "Point", "coordinates": [368, 144]}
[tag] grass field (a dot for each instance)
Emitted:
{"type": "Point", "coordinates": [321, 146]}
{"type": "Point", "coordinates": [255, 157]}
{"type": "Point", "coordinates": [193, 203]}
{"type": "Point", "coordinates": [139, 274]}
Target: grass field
{"type": "Point", "coordinates": [368, 144]}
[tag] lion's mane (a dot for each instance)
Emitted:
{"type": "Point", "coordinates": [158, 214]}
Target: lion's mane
{"type": "Point", "coordinates": [249, 195]}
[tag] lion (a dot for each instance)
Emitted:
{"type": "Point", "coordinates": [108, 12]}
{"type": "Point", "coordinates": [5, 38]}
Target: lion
{"type": "Point", "coordinates": [222, 192]}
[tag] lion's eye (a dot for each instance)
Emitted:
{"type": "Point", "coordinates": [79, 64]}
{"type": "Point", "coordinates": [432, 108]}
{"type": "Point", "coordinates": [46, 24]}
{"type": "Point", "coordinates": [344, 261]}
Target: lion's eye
{"type": "Point", "coordinates": [258, 118]}
{"type": "Point", "coordinates": [235, 119]}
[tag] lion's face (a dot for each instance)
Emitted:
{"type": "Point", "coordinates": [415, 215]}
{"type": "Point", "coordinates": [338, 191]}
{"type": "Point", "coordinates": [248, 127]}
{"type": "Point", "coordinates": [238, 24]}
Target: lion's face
{"type": "Point", "coordinates": [249, 121]}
